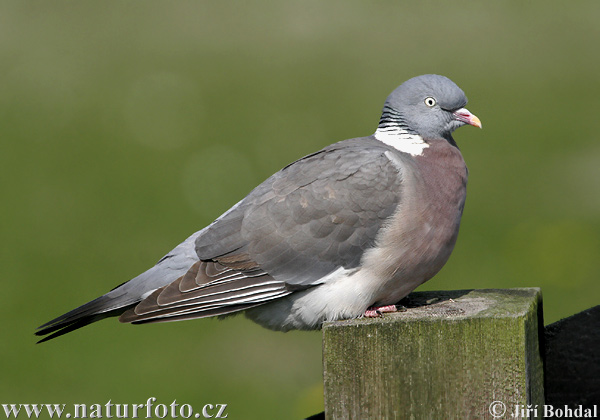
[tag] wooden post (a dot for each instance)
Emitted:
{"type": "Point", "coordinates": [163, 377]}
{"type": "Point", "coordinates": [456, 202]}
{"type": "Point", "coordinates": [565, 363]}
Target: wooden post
{"type": "Point", "coordinates": [449, 355]}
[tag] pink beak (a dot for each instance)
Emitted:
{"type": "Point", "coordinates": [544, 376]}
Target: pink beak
{"type": "Point", "coordinates": [464, 115]}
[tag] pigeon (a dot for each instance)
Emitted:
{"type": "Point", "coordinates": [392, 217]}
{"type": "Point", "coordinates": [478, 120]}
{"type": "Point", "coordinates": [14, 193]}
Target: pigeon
{"type": "Point", "coordinates": [344, 232]}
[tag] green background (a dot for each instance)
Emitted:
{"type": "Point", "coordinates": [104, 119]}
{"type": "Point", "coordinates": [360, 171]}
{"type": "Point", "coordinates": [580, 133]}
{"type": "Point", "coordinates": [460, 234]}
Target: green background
{"type": "Point", "coordinates": [126, 126]}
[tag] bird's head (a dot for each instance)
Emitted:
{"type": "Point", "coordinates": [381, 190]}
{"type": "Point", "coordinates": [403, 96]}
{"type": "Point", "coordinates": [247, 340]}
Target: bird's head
{"type": "Point", "coordinates": [432, 106]}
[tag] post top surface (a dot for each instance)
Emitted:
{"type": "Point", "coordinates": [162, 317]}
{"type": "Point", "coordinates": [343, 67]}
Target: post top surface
{"type": "Point", "coordinates": [456, 305]}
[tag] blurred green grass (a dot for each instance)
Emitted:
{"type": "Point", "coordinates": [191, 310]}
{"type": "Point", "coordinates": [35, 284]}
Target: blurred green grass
{"type": "Point", "coordinates": [126, 126]}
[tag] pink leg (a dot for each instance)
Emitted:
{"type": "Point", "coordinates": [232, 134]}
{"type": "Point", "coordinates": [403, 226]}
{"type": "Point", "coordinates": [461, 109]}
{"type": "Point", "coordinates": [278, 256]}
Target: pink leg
{"type": "Point", "coordinates": [375, 312]}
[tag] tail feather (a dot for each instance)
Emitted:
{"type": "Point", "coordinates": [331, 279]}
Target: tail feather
{"type": "Point", "coordinates": [111, 304]}
{"type": "Point", "coordinates": [114, 303]}
{"type": "Point", "coordinates": [61, 327]}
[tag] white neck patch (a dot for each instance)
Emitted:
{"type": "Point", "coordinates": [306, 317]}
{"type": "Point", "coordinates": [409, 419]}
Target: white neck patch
{"type": "Point", "coordinates": [401, 140]}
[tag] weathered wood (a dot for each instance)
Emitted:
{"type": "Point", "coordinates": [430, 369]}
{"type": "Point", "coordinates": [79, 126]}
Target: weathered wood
{"type": "Point", "coordinates": [449, 355]}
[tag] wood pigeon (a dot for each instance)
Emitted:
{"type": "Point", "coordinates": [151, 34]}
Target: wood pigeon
{"type": "Point", "coordinates": [343, 232]}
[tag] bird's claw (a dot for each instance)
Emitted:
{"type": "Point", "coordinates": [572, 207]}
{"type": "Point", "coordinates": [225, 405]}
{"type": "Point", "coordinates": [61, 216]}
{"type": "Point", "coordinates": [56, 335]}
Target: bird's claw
{"type": "Point", "coordinates": [378, 311]}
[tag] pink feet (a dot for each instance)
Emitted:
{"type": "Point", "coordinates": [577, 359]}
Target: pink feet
{"type": "Point", "coordinates": [375, 312]}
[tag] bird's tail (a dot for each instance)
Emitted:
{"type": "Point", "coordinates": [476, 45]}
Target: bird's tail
{"type": "Point", "coordinates": [127, 295]}
{"type": "Point", "coordinates": [85, 314]}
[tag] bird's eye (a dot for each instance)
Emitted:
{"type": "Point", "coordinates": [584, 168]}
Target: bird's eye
{"type": "Point", "coordinates": [430, 102]}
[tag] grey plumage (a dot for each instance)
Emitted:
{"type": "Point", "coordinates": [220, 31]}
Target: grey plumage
{"type": "Point", "coordinates": [361, 222]}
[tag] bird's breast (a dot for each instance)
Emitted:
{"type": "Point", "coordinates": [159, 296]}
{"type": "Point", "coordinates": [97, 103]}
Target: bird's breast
{"type": "Point", "coordinates": [420, 236]}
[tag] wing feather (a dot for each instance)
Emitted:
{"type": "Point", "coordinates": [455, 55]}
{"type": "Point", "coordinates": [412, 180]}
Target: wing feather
{"type": "Point", "coordinates": [209, 287]}
{"type": "Point", "coordinates": [294, 225]}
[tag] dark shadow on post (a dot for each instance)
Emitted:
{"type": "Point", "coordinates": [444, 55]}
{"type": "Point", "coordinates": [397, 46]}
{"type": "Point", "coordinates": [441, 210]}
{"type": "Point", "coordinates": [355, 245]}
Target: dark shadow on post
{"type": "Point", "coordinates": [572, 365]}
